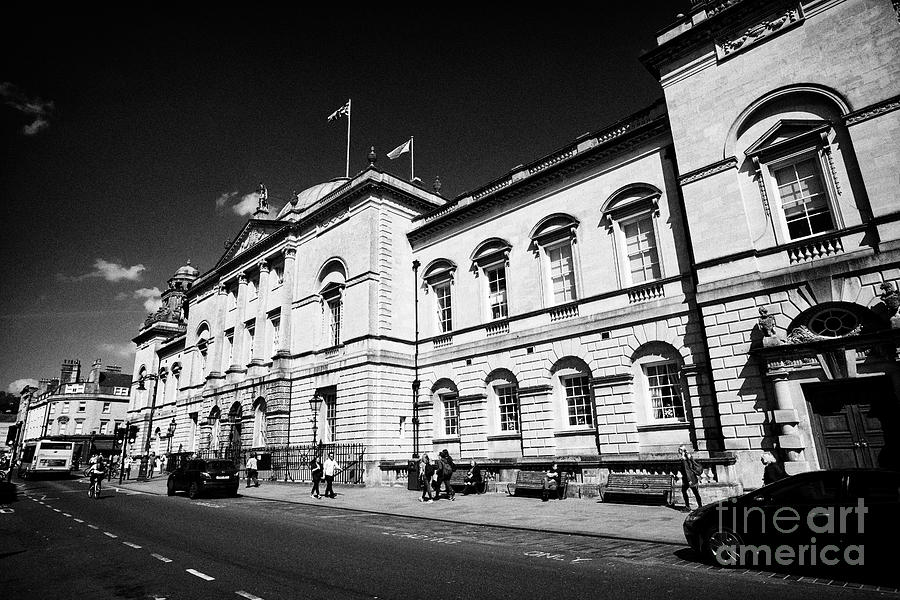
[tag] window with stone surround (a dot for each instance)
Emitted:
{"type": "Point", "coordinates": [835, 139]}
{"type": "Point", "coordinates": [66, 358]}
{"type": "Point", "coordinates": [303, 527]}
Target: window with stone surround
{"type": "Point", "coordinates": [445, 404]}
{"type": "Point", "coordinates": [260, 433]}
{"type": "Point", "coordinates": [664, 392]}
{"type": "Point", "coordinates": [79, 426]}
{"type": "Point", "coordinates": [579, 411]}
{"type": "Point", "coordinates": [438, 277]}
{"type": "Point", "coordinates": [631, 216]}
{"type": "Point", "coordinates": [275, 332]}
{"type": "Point", "coordinates": [249, 336]}
{"type": "Point", "coordinates": [659, 390]}
{"type": "Point", "coordinates": [104, 427]}
{"type": "Point", "coordinates": [795, 171]}
{"type": "Point", "coordinates": [228, 350]}
{"type": "Point", "coordinates": [332, 282]}
{"type": "Point", "coordinates": [450, 410]}
{"type": "Point", "coordinates": [554, 242]}
{"type": "Point", "coordinates": [508, 407]}
{"type": "Point", "coordinates": [489, 261]}
{"type": "Point", "coordinates": [106, 407]}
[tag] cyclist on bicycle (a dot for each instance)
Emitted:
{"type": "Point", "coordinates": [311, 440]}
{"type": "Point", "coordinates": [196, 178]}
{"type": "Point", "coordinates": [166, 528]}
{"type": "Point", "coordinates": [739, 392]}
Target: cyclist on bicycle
{"type": "Point", "coordinates": [97, 472]}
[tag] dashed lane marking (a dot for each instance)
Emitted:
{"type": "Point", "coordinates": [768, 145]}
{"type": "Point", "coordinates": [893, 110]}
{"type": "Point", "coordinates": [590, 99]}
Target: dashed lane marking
{"type": "Point", "coordinates": [57, 510]}
{"type": "Point", "coordinates": [203, 576]}
{"type": "Point", "coordinates": [92, 526]}
{"type": "Point", "coordinates": [131, 545]}
{"type": "Point", "coordinates": [78, 520]}
{"type": "Point", "coordinates": [161, 558]}
{"type": "Point", "coordinates": [66, 515]}
{"type": "Point", "coordinates": [112, 535]}
{"type": "Point", "coordinates": [247, 595]}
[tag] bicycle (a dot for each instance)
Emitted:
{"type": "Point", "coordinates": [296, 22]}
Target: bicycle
{"type": "Point", "coordinates": [95, 488]}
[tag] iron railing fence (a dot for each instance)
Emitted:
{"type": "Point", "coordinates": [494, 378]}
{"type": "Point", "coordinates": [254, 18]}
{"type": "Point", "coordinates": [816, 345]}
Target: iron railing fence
{"type": "Point", "coordinates": [291, 463]}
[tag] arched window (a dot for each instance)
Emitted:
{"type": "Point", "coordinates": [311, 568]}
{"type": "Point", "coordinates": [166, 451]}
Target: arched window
{"type": "Point", "coordinates": [833, 320]}
{"type": "Point", "coordinates": [631, 215]}
{"type": "Point", "coordinates": [553, 240]}
{"type": "Point", "coordinates": [657, 370]}
{"type": "Point", "coordinates": [503, 389]}
{"type": "Point", "coordinates": [214, 418]}
{"type": "Point", "coordinates": [572, 380]}
{"type": "Point", "coordinates": [260, 435]}
{"type": "Point", "coordinates": [203, 336]}
{"type": "Point", "coordinates": [446, 409]}
{"type": "Point", "coordinates": [490, 260]}
{"type": "Point", "coordinates": [332, 281]}
{"type": "Point", "coordinates": [438, 277]}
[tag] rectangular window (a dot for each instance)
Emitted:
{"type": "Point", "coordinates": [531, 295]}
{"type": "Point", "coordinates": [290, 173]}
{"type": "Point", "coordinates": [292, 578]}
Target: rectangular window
{"type": "Point", "coordinates": [228, 350]}
{"type": "Point", "coordinates": [249, 335]}
{"type": "Point", "coordinates": [496, 279]}
{"type": "Point", "coordinates": [82, 406]}
{"type": "Point", "coordinates": [330, 415]}
{"type": "Point", "coordinates": [106, 407]}
{"type": "Point", "coordinates": [444, 307]}
{"type": "Point", "coordinates": [104, 427]}
{"type": "Point", "coordinates": [578, 400]}
{"type": "Point", "coordinates": [65, 408]}
{"type": "Point", "coordinates": [665, 392]}
{"type": "Point", "coordinates": [803, 198]}
{"type": "Point", "coordinates": [451, 415]}
{"type": "Point", "coordinates": [640, 250]}
{"type": "Point", "coordinates": [275, 326]}
{"type": "Point", "coordinates": [52, 407]}
{"type": "Point", "coordinates": [334, 320]}
{"type": "Point", "coordinates": [508, 401]}
{"type": "Point", "coordinates": [79, 427]}
{"type": "Point", "coordinates": [120, 391]}
{"type": "Point", "coordinates": [562, 273]}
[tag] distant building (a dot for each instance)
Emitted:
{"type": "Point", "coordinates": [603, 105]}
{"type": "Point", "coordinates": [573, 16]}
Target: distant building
{"type": "Point", "coordinates": [76, 408]}
{"type": "Point", "coordinates": [718, 271]}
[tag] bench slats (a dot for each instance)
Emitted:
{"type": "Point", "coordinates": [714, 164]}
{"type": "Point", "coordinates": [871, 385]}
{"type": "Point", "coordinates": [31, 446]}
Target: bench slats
{"type": "Point", "coordinates": [638, 484]}
{"type": "Point", "coordinates": [534, 481]}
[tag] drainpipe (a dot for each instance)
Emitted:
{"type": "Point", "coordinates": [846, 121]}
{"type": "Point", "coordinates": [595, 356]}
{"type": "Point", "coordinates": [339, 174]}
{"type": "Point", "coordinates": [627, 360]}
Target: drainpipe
{"type": "Point", "coordinates": [415, 383]}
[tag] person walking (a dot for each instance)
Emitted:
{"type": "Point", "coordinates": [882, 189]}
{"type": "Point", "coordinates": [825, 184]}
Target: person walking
{"type": "Point", "coordinates": [126, 465]}
{"type": "Point", "coordinates": [315, 467]}
{"type": "Point", "coordinates": [426, 475]}
{"type": "Point", "coordinates": [772, 469]}
{"type": "Point", "coordinates": [444, 473]}
{"type": "Point", "coordinates": [690, 474]}
{"type": "Point", "coordinates": [551, 482]}
{"type": "Point", "coordinates": [330, 468]}
{"type": "Point", "coordinates": [252, 474]}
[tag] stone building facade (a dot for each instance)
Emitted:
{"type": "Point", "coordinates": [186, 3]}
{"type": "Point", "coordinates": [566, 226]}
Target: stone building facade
{"type": "Point", "coordinates": [714, 271]}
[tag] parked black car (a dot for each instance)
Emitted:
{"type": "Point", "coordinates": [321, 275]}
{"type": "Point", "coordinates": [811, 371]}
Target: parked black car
{"type": "Point", "coordinates": [842, 517]}
{"type": "Point", "coordinates": [196, 476]}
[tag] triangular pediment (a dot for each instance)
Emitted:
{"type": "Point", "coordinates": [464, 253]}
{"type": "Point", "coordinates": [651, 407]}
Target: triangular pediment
{"type": "Point", "coordinates": [249, 236]}
{"type": "Point", "coordinates": [787, 132]}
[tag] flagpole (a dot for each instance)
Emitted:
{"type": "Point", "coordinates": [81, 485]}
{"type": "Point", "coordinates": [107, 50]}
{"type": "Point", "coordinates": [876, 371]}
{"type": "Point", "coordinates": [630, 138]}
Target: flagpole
{"type": "Point", "coordinates": [347, 172]}
{"type": "Point", "coordinates": [412, 159]}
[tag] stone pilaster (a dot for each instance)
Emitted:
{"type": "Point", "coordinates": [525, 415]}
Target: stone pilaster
{"type": "Point", "coordinates": [237, 352]}
{"type": "Point", "coordinates": [215, 373]}
{"type": "Point", "coordinates": [787, 419]}
{"type": "Point", "coordinates": [261, 354]}
{"type": "Point", "coordinates": [287, 290]}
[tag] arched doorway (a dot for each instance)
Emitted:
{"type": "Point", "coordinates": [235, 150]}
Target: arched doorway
{"type": "Point", "coordinates": [233, 449]}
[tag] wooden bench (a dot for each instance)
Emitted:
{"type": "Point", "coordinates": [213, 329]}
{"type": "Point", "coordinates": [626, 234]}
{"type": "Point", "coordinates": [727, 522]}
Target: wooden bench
{"type": "Point", "coordinates": [533, 481]}
{"type": "Point", "coordinates": [458, 480]}
{"type": "Point", "coordinates": [638, 484]}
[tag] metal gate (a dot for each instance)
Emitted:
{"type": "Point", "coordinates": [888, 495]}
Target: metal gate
{"type": "Point", "coordinates": [291, 463]}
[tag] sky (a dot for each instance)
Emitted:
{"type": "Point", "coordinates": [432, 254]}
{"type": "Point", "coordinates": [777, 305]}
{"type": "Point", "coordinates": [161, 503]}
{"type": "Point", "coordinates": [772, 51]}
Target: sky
{"type": "Point", "coordinates": [130, 138]}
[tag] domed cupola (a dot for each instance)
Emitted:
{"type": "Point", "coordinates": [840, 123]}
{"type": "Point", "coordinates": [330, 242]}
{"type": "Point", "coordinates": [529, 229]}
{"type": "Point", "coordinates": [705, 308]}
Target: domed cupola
{"type": "Point", "coordinates": [308, 198]}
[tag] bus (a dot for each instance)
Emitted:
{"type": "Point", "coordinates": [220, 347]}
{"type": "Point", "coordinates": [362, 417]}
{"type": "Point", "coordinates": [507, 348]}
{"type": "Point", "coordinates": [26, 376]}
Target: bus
{"type": "Point", "coordinates": [46, 457]}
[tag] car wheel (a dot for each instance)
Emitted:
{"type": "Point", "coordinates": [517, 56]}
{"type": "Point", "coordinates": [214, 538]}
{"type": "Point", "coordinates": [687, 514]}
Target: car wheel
{"type": "Point", "coordinates": [722, 547]}
{"type": "Point", "coordinates": [170, 488]}
{"type": "Point", "coordinates": [193, 491]}
{"type": "Point", "coordinates": [233, 491]}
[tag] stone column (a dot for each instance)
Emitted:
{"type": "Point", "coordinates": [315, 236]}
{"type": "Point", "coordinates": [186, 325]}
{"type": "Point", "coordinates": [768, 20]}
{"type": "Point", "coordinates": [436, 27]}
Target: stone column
{"type": "Point", "coordinates": [786, 418]}
{"type": "Point", "coordinates": [287, 297]}
{"type": "Point", "coordinates": [260, 353]}
{"type": "Point", "coordinates": [219, 333]}
{"type": "Point", "coordinates": [238, 348]}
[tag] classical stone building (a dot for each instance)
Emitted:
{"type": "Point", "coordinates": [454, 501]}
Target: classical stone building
{"type": "Point", "coordinates": [713, 271]}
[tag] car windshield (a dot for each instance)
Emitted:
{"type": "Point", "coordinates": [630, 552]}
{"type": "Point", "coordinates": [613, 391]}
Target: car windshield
{"type": "Point", "coordinates": [219, 465]}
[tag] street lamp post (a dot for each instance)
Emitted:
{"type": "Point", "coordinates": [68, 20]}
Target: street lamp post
{"type": "Point", "coordinates": [171, 433]}
{"type": "Point", "coordinates": [314, 404]}
{"type": "Point", "coordinates": [142, 472]}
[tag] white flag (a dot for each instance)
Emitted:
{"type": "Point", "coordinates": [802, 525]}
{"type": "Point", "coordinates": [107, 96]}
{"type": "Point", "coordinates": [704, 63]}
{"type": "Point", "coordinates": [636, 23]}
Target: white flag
{"type": "Point", "coordinates": [404, 147]}
{"type": "Point", "coordinates": [344, 110]}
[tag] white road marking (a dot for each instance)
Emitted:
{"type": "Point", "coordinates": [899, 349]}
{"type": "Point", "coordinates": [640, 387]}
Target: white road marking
{"type": "Point", "coordinates": [200, 575]}
{"type": "Point", "coordinates": [93, 526]}
{"type": "Point", "coordinates": [112, 535]}
{"type": "Point", "coordinates": [66, 515]}
{"type": "Point", "coordinates": [161, 557]}
{"type": "Point", "coordinates": [131, 545]}
{"type": "Point", "coordinates": [247, 595]}
{"type": "Point", "coordinates": [57, 510]}
{"type": "Point", "coordinates": [78, 520]}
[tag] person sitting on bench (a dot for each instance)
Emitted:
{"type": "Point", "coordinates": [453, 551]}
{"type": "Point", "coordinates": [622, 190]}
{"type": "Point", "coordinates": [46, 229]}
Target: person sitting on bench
{"type": "Point", "coordinates": [473, 478]}
{"type": "Point", "coordinates": [551, 481]}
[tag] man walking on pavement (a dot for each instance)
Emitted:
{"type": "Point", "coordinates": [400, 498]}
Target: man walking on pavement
{"type": "Point", "coordinates": [330, 468]}
{"type": "Point", "coordinates": [251, 471]}
{"type": "Point", "coordinates": [690, 473]}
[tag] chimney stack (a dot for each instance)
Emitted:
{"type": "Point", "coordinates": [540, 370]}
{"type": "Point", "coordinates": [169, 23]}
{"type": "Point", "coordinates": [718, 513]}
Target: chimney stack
{"type": "Point", "coordinates": [94, 377]}
{"type": "Point", "coordinates": [70, 372]}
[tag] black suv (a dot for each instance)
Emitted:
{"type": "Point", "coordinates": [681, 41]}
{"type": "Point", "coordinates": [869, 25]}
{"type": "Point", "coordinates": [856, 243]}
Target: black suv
{"type": "Point", "coordinates": [196, 476]}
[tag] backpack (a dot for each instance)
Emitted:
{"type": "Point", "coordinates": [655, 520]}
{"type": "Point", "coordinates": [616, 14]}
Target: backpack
{"type": "Point", "coordinates": [696, 467]}
{"type": "Point", "coordinates": [446, 468]}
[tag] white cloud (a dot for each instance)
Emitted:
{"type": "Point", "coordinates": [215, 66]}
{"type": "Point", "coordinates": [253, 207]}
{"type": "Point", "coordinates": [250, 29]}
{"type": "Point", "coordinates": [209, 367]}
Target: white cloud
{"type": "Point", "coordinates": [123, 350]}
{"type": "Point", "coordinates": [150, 296]}
{"type": "Point", "coordinates": [16, 386]}
{"type": "Point", "coordinates": [35, 108]}
{"type": "Point", "coordinates": [243, 207]}
{"type": "Point", "coordinates": [108, 270]}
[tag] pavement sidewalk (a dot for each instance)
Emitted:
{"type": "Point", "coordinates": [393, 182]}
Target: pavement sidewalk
{"type": "Point", "coordinates": [587, 517]}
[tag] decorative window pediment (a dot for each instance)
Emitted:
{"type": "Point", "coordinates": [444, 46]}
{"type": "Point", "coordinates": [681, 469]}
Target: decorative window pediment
{"type": "Point", "coordinates": [553, 228]}
{"type": "Point", "coordinates": [786, 135]}
{"type": "Point", "coordinates": [490, 251]}
{"type": "Point", "coordinates": [332, 290]}
{"type": "Point", "coordinates": [439, 270]}
{"type": "Point", "coordinates": [630, 200]}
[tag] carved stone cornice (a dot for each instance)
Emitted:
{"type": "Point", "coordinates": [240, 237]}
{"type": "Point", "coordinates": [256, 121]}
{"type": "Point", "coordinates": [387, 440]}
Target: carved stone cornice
{"type": "Point", "coordinates": [872, 111]}
{"type": "Point", "coordinates": [290, 253]}
{"type": "Point", "coordinates": [708, 170]}
{"type": "Point", "coordinates": [775, 23]}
